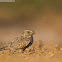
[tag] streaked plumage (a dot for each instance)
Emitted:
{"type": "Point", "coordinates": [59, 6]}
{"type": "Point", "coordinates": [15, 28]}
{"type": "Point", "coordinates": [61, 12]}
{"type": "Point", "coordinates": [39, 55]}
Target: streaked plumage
{"type": "Point", "coordinates": [22, 42]}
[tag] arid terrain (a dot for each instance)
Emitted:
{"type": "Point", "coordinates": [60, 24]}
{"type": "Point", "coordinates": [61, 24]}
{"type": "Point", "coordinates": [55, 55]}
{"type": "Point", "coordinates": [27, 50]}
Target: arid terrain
{"type": "Point", "coordinates": [42, 16]}
{"type": "Point", "coordinates": [38, 52]}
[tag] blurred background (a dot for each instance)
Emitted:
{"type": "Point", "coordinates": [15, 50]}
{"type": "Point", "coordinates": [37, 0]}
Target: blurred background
{"type": "Point", "coordinates": [42, 16]}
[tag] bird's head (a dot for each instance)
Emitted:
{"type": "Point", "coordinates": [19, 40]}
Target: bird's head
{"type": "Point", "coordinates": [28, 33]}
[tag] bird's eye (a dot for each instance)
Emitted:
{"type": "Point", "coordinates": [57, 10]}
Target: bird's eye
{"type": "Point", "coordinates": [28, 32]}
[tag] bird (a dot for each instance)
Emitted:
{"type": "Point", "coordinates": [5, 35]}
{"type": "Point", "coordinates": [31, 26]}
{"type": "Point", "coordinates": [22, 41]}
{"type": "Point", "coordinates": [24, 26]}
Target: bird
{"type": "Point", "coordinates": [22, 42]}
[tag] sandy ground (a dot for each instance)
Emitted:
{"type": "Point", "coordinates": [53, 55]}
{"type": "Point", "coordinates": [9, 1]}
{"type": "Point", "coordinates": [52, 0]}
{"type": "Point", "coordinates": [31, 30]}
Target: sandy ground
{"type": "Point", "coordinates": [38, 52]}
{"type": "Point", "coordinates": [32, 58]}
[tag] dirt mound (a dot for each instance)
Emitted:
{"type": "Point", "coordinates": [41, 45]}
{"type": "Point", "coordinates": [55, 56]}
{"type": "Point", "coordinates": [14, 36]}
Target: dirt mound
{"type": "Point", "coordinates": [38, 48]}
{"type": "Point", "coordinates": [37, 52]}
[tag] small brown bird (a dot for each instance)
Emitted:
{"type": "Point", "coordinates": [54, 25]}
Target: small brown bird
{"type": "Point", "coordinates": [22, 42]}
